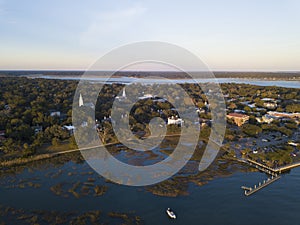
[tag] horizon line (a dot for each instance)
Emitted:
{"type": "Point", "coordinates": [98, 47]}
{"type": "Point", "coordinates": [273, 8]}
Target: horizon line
{"type": "Point", "coordinates": [173, 71]}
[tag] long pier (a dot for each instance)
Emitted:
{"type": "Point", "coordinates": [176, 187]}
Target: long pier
{"type": "Point", "coordinates": [287, 167]}
{"type": "Point", "coordinates": [250, 191]}
{"type": "Point", "coordinates": [274, 172]}
{"type": "Point", "coordinates": [271, 170]}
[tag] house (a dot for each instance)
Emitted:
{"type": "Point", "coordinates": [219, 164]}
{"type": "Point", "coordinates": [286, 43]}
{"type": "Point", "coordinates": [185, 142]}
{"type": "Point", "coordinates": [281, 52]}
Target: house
{"type": "Point", "coordinates": [268, 99]}
{"type": "Point", "coordinates": [238, 118]}
{"type": "Point", "coordinates": [69, 128]}
{"type": "Point", "coordinates": [175, 120]}
{"type": "Point", "coordinates": [265, 119]}
{"type": "Point", "coordinates": [7, 107]}
{"type": "Point", "coordinates": [283, 114]}
{"type": "Point", "coordinates": [158, 99]}
{"type": "Point", "coordinates": [54, 113]}
{"type": "Point", "coordinates": [293, 143]}
{"type": "Point", "coordinates": [239, 111]}
{"type": "Point", "coordinates": [269, 103]}
{"type": "Point", "coordinates": [37, 129]}
{"type": "Point", "coordinates": [146, 96]}
{"type": "Point", "coordinates": [200, 110]}
{"type": "Point", "coordinates": [206, 104]}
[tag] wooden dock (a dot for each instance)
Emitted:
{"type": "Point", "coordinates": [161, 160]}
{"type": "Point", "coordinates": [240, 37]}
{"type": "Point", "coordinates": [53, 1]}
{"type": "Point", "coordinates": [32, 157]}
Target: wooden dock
{"type": "Point", "coordinates": [250, 191]}
{"type": "Point", "coordinates": [270, 170]}
{"type": "Point", "coordinates": [287, 167]}
{"type": "Point", "coordinates": [261, 167]}
{"type": "Point", "coordinates": [273, 172]}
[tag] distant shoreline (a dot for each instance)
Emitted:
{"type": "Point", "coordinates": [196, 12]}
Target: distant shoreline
{"type": "Point", "coordinates": [288, 75]}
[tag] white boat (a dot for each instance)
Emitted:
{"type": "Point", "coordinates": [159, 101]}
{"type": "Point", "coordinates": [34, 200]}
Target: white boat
{"type": "Point", "coordinates": [171, 214]}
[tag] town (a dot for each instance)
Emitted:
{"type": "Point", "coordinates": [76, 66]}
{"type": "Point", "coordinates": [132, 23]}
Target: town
{"type": "Point", "coordinates": [262, 122]}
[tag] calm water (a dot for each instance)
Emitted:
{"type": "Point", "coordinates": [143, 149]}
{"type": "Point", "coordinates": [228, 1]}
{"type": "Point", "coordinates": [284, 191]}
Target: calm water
{"type": "Point", "coordinates": [127, 80]}
{"type": "Point", "coordinates": [221, 201]}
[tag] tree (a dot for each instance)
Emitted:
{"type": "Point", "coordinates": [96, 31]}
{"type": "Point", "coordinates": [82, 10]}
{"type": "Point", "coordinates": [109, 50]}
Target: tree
{"type": "Point", "coordinates": [293, 108]}
{"type": "Point", "coordinates": [251, 130]}
{"type": "Point", "coordinates": [55, 142]}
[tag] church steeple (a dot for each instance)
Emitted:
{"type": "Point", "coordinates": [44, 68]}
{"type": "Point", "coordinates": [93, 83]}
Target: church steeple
{"type": "Point", "coordinates": [80, 100]}
{"type": "Point", "coordinates": [124, 93]}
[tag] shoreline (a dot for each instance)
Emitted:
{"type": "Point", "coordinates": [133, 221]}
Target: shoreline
{"type": "Point", "coordinates": [21, 161]}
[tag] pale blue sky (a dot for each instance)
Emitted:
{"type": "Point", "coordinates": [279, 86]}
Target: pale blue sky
{"type": "Point", "coordinates": [225, 34]}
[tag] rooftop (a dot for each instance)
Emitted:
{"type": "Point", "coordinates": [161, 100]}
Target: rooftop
{"type": "Point", "coordinates": [237, 115]}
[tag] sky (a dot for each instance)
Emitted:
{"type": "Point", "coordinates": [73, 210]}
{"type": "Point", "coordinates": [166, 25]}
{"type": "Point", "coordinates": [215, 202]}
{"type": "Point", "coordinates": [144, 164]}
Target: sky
{"type": "Point", "coordinates": [251, 35]}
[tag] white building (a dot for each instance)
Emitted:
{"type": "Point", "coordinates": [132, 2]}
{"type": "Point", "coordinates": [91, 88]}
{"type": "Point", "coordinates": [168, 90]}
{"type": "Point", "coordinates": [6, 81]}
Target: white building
{"type": "Point", "coordinates": [69, 128]}
{"type": "Point", "coordinates": [265, 119]}
{"type": "Point", "coordinates": [124, 93]}
{"type": "Point", "coordinates": [80, 100]}
{"type": "Point", "coordinates": [284, 114]}
{"type": "Point", "coordinates": [81, 103]}
{"type": "Point", "coordinates": [270, 105]}
{"type": "Point", "coordinates": [293, 143]}
{"type": "Point", "coordinates": [173, 120]}
{"type": "Point", "coordinates": [123, 96]}
{"type": "Point", "coordinates": [55, 113]}
{"type": "Point", "coordinates": [146, 96]}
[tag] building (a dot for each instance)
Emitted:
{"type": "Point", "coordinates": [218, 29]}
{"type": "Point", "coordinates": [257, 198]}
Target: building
{"type": "Point", "coordinates": [175, 120]}
{"type": "Point", "coordinates": [268, 99]}
{"type": "Point", "coordinates": [124, 93]}
{"type": "Point", "coordinates": [238, 119]}
{"type": "Point", "coordinates": [80, 103]}
{"type": "Point", "coordinates": [146, 96]}
{"type": "Point", "coordinates": [37, 129]}
{"type": "Point", "coordinates": [54, 113]}
{"type": "Point", "coordinates": [284, 115]}
{"type": "Point", "coordinates": [123, 97]}
{"type": "Point", "coordinates": [269, 103]}
{"type": "Point", "coordinates": [89, 104]}
{"type": "Point", "coordinates": [69, 128]}
{"type": "Point", "coordinates": [293, 143]}
{"type": "Point", "coordinates": [200, 110]}
{"type": "Point", "coordinates": [265, 119]}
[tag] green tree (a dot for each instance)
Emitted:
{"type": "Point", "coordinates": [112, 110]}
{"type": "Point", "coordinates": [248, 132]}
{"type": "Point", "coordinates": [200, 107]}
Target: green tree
{"type": "Point", "coordinates": [251, 130]}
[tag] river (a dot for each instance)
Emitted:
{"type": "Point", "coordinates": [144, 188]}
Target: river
{"type": "Point", "coordinates": [221, 201]}
{"type": "Point", "coordinates": [128, 80]}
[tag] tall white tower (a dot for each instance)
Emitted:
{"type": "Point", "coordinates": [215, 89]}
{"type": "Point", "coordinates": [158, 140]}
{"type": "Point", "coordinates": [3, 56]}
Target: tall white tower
{"type": "Point", "coordinates": [80, 100]}
{"type": "Point", "coordinates": [124, 93]}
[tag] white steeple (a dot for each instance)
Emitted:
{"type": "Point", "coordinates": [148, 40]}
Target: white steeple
{"type": "Point", "coordinates": [80, 100]}
{"type": "Point", "coordinates": [124, 93]}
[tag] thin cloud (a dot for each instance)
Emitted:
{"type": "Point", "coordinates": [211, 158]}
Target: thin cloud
{"type": "Point", "coordinates": [108, 25]}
